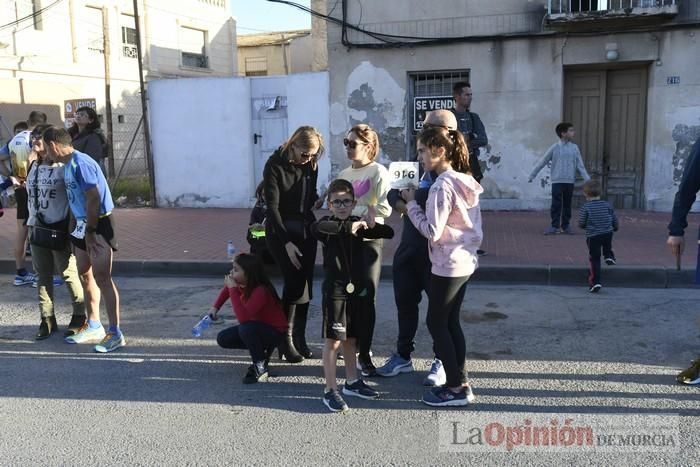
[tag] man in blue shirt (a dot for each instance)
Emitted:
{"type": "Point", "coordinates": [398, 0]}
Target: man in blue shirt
{"type": "Point", "coordinates": [93, 239]}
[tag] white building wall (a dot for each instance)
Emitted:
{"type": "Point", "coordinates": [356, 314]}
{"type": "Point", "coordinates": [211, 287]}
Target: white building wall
{"type": "Point", "coordinates": [202, 134]}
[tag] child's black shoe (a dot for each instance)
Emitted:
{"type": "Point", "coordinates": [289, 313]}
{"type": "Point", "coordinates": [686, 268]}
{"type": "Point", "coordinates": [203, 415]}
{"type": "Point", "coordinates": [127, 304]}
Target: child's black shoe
{"type": "Point", "coordinates": [257, 373]}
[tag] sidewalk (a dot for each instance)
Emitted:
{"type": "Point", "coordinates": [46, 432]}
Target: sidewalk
{"type": "Point", "coordinates": [193, 241]}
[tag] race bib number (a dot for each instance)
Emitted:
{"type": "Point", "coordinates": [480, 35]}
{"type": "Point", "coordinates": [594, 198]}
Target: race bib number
{"type": "Point", "coordinates": [79, 231]}
{"type": "Point", "coordinates": [403, 175]}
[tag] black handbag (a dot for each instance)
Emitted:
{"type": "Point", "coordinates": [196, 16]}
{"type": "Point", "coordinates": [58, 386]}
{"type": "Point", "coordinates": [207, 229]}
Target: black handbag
{"type": "Point", "coordinates": [52, 236]}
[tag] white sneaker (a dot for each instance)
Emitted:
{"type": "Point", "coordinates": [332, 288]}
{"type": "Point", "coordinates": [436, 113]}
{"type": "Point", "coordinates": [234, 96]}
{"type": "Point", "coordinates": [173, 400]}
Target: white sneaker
{"type": "Point", "coordinates": [437, 376]}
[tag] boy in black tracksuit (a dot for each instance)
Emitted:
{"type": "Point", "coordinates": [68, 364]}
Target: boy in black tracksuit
{"type": "Point", "coordinates": [344, 289]}
{"type": "Point", "coordinates": [598, 218]}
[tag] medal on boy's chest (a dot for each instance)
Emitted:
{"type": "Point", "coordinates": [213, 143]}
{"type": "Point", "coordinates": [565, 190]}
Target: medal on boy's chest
{"type": "Point", "coordinates": [350, 287]}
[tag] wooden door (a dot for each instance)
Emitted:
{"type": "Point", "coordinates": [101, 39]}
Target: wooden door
{"type": "Point", "coordinates": [608, 110]}
{"type": "Point", "coordinates": [584, 98]}
{"type": "Point", "coordinates": [623, 153]}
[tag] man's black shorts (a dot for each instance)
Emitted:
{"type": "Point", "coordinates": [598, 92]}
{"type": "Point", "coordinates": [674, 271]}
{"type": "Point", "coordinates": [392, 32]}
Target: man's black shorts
{"type": "Point", "coordinates": [342, 317]}
{"type": "Point", "coordinates": [105, 228]}
{"type": "Point", "coordinates": [22, 199]}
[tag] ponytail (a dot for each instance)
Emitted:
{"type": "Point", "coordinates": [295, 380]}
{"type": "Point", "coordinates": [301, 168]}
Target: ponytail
{"type": "Point", "coordinates": [456, 150]}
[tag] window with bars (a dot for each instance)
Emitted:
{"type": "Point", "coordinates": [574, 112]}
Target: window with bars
{"type": "Point", "coordinates": [435, 85]}
{"type": "Point", "coordinates": [129, 37]}
{"type": "Point", "coordinates": [193, 46]}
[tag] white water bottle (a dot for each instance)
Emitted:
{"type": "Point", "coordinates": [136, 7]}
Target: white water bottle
{"type": "Point", "coordinates": [230, 250]}
{"type": "Point", "coordinates": [201, 326]}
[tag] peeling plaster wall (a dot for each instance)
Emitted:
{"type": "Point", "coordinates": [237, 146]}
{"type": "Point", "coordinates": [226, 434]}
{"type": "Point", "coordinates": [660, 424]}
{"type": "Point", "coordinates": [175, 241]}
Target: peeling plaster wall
{"type": "Point", "coordinates": [518, 93]}
{"type": "Point", "coordinates": [673, 116]}
{"type": "Point", "coordinates": [371, 87]}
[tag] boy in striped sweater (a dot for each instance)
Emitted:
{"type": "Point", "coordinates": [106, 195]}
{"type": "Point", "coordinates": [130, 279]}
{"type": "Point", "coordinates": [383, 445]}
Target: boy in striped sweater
{"type": "Point", "coordinates": [598, 218]}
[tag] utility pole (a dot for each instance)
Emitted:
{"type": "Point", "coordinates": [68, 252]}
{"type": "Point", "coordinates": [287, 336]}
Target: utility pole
{"type": "Point", "coordinates": [144, 107]}
{"type": "Point", "coordinates": [108, 91]}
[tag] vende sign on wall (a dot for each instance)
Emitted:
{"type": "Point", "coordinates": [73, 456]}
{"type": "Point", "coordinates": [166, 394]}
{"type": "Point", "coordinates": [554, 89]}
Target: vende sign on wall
{"type": "Point", "coordinates": [423, 105]}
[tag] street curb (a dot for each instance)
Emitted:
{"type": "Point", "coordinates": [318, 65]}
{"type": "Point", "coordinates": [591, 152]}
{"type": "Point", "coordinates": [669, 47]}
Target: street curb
{"type": "Point", "coordinates": [558, 275]}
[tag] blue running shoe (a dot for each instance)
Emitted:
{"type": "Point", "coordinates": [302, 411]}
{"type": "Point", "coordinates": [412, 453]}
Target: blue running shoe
{"type": "Point", "coordinates": [394, 365]}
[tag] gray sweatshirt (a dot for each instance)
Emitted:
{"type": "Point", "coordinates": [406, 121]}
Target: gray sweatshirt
{"type": "Point", "coordinates": [566, 159]}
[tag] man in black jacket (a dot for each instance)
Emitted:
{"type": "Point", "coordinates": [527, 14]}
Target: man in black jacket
{"type": "Point", "coordinates": [471, 126]}
{"type": "Point", "coordinates": [687, 192]}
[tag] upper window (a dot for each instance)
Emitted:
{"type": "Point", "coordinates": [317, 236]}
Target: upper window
{"type": "Point", "coordinates": [256, 66]}
{"type": "Point", "coordinates": [193, 46]}
{"type": "Point", "coordinates": [129, 36]}
{"type": "Point", "coordinates": [30, 8]}
{"type": "Point", "coordinates": [93, 28]}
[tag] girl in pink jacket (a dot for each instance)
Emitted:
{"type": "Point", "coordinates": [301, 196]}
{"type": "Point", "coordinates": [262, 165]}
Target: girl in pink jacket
{"type": "Point", "coordinates": [452, 224]}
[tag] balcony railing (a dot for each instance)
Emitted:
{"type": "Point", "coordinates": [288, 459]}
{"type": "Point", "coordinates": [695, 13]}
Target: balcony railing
{"type": "Point", "coordinates": [608, 15]}
{"type": "Point", "coordinates": [557, 7]}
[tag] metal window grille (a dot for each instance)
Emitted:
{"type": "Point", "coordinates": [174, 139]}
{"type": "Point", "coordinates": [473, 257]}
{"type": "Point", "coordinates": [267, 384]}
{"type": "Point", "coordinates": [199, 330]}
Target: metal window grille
{"type": "Point", "coordinates": [256, 66]}
{"type": "Point", "coordinates": [429, 84]}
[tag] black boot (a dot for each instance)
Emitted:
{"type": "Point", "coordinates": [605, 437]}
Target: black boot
{"type": "Point", "coordinates": [47, 327]}
{"type": "Point", "coordinates": [76, 322]}
{"type": "Point", "coordinates": [299, 331]}
{"type": "Point", "coordinates": [287, 348]}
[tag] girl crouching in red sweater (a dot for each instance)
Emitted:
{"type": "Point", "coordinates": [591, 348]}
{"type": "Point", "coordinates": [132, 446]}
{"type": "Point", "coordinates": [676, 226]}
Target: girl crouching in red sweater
{"type": "Point", "coordinates": [261, 321]}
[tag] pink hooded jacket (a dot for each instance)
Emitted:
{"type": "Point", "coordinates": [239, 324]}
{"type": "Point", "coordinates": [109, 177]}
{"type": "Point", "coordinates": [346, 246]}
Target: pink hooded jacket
{"type": "Point", "coordinates": [452, 223]}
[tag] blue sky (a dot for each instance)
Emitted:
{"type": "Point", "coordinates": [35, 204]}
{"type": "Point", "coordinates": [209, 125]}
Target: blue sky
{"type": "Point", "coordinates": [260, 15]}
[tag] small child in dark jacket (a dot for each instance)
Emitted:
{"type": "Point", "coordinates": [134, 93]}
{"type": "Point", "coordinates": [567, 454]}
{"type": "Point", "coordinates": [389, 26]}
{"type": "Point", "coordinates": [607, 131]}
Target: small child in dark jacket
{"type": "Point", "coordinates": [344, 289]}
{"type": "Point", "coordinates": [598, 218]}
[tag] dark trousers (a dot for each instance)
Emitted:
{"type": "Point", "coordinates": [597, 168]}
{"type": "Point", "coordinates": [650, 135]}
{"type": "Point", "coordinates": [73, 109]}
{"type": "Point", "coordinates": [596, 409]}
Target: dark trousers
{"type": "Point", "coordinates": [372, 251]}
{"type": "Point", "coordinates": [256, 337]}
{"type": "Point", "coordinates": [562, 193]}
{"type": "Point", "coordinates": [446, 296]}
{"type": "Point", "coordinates": [298, 283]}
{"type": "Point", "coordinates": [411, 271]}
{"type": "Point", "coordinates": [596, 243]}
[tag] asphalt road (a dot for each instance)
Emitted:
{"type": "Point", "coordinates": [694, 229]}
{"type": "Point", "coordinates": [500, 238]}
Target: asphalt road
{"type": "Point", "coordinates": [168, 399]}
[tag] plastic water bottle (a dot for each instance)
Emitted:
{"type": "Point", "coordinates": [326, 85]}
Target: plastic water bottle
{"type": "Point", "coordinates": [201, 326]}
{"type": "Point", "coordinates": [230, 250]}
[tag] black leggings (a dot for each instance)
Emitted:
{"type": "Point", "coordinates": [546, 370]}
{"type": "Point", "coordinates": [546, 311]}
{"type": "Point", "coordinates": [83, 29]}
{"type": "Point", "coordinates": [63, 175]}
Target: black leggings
{"type": "Point", "coordinates": [446, 295]}
{"type": "Point", "coordinates": [372, 251]}
{"type": "Point", "coordinates": [258, 338]}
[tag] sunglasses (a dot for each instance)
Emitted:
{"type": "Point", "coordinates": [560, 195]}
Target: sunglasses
{"type": "Point", "coordinates": [351, 144]}
{"type": "Point", "coordinates": [341, 203]}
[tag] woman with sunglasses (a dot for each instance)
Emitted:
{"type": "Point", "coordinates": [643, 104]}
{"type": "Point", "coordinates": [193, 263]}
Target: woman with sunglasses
{"type": "Point", "coordinates": [48, 204]}
{"type": "Point", "coordinates": [88, 137]}
{"type": "Point", "coordinates": [289, 185]}
{"type": "Point", "coordinates": [371, 183]}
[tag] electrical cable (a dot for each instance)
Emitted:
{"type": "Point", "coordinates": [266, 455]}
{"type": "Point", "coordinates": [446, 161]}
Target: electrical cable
{"type": "Point", "coordinates": [32, 16]}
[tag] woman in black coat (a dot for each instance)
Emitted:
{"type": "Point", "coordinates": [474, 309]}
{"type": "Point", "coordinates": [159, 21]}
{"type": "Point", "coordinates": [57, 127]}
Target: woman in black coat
{"type": "Point", "coordinates": [289, 181]}
{"type": "Point", "coordinates": [88, 137]}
